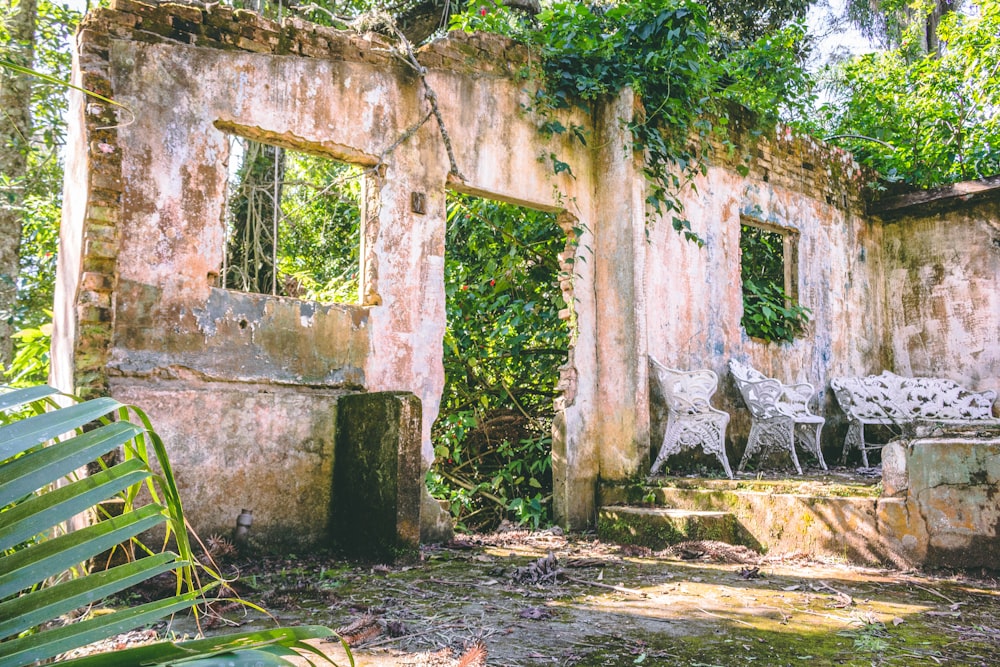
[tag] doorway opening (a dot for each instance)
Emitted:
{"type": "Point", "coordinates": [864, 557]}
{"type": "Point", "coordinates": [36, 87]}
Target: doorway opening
{"type": "Point", "coordinates": [508, 282]}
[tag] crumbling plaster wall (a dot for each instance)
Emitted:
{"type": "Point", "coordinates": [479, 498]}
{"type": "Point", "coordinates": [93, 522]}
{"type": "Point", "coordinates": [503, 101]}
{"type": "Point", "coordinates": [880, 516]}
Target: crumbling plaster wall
{"type": "Point", "coordinates": [224, 374]}
{"type": "Point", "coordinates": [143, 319]}
{"type": "Point", "coordinates": [695, 294]}
{"type": "Point", "coordinates": [939, 507]}
{"type": "Point", "coordinates": [943, 293]}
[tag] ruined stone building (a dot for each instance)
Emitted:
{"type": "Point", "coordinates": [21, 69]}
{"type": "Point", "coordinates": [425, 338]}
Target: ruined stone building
{"type": "Point", "coordinates": [245, 387]}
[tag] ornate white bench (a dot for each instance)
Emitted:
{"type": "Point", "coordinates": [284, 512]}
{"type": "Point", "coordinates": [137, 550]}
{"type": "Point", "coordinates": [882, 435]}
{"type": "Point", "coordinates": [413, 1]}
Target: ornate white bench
{"type": "Point", "coordinates": [902, 401]}
{"type": "Point", "coordinates": [691, 419]}
{"type": "Point", "coordinates": [778, 412]}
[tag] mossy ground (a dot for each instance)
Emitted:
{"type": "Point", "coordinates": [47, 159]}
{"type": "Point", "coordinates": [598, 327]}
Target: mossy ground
{"type": "Point", "coordinates": [663, 612]}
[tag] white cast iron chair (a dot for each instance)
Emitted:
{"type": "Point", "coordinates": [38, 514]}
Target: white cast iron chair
{"type": "Point", "coordinates": [691, 420]}
{"type": "Point", "coordinates": [780, 412]}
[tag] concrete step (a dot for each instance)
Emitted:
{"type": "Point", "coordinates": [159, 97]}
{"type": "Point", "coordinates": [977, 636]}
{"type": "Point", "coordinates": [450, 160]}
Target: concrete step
{"type": "Point", "coordinates": [658, 527]}
{"type": "Point", "coordinates": [820, 517]}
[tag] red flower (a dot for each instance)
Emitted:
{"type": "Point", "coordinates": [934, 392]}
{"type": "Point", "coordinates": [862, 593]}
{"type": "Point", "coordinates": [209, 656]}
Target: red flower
{"type": "Point", "coordinates": [482, 11]}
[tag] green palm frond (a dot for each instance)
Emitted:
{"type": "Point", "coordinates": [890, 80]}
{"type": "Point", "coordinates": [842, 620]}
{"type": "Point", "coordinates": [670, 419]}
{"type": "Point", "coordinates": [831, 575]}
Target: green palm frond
{"type": "Point", "coordinates": [45, 438]}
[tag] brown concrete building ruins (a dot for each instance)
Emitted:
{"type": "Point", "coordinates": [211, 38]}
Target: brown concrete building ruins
{"type": "Point", "coordinates": [245, 387]}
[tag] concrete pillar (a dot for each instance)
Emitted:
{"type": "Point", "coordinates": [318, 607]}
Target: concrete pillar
{"type": "Point", "coordinates": [377, 480]}
{"type": "Point", "coordinates": [619, 249]}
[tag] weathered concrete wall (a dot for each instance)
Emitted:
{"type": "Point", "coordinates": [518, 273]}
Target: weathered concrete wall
{"type": "Point", "coordinates": [694, 296]}
{"type": "Point", "coordinates": [257, 446]}
{"type": "Point", "coordinates": [942, 296]}
{"type": "Point", "coordinates": [140, 315]}
{"type": "Point", "coordinates": [939, 506]}
{"type": "Point", "coordinates": [152, 229]}
{"type": "Point", "coordinates": [377, 485]}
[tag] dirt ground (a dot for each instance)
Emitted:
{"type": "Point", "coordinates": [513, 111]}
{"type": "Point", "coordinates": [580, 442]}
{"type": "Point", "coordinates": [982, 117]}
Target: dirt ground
{"type": "Point", "coordinates": [544, 598]}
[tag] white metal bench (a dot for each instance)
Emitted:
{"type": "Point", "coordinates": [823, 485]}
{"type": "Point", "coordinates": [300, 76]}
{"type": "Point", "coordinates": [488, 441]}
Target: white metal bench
{"type": "Point", "coordinates": [691, 419]}
{"type": "Point", "coordinates": [901, 401]}
{"type": "Point", "coordinates": [779, 413]}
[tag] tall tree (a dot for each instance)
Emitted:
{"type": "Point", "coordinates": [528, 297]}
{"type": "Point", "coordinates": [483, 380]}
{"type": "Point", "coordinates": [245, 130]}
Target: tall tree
{"type": "Point", "coordinates": [885, 21]}
{"type": "Point", "coordinates": [927, 118]}
{"type": "Point", "coordinates": [20, 17]}
{"type": "Point", "coordinates": [741, 23]}
{"type": "Point", "coordinates": [254, 211]}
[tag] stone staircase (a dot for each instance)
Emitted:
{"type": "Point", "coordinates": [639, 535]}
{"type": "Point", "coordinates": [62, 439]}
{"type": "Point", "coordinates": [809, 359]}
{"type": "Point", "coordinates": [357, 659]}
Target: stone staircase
{"type": "Point", "coordinates": [829, 515]}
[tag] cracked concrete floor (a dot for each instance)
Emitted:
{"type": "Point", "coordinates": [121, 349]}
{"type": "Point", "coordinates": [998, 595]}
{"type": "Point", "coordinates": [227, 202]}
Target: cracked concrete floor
{"type": "Point", "coordinates": [600, 604]}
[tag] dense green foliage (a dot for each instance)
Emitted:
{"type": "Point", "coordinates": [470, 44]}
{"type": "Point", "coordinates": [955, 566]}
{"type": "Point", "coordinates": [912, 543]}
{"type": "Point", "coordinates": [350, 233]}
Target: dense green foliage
{"type": "Point", "coordinates": [738, 24]}
{"type": "Point", "coordinates": [685, 70]}
{"type": "Point", "coordinates": [41, 203]}
{"type": "Point", "coordinates": [319, 239]}
{"type": "Point", "coordinates": [503, 348]}
{"type": "Point", "coordinates": [253, 210]}
{"type": "Point", "coordinates": [318, 225]}
{"type": "Point", "coordinates": [769, 312]}
{"type": "Point", "coordinates": [935, 118]}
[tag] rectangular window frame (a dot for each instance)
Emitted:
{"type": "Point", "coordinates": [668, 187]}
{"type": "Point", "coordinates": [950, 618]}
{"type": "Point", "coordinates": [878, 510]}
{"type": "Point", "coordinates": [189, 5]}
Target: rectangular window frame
{"type": "Point", "coordinates": [789, 254]}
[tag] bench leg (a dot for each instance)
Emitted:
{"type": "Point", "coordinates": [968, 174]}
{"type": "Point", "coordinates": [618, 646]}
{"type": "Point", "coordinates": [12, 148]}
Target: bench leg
{"type": "Point", "coordinates": [714, 441]}
{"type": "Point", "coordinates": [769, 435]}
{"type": "Point", "coordinates": [753, 444]}
{"type": "Point", "coordinates": [671, 445]}
{"type": "Point", "coordinates": [725, 464]}
{"type": "Point", "coordinates": [818, 449]}
{"type": "Point", "coordinates": [811, 441]}
{"type": "Point", "coordinates": [856, 439]}
{"type": "Point", "coordinates": [795, 457]}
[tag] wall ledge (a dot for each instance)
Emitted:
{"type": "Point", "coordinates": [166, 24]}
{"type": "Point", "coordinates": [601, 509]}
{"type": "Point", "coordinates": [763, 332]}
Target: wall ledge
{"type": "Point", "coordinates": [926, 202]}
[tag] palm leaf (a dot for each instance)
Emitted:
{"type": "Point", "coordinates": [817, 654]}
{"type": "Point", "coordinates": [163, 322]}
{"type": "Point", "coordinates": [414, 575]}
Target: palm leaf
{"type": "Point", "coordinates": [50, 643]}
{"type": "Point", "coordinates": [43, 604]}
{"type": "Point", "coordinates": [32, 471]}
{"type": "Point", "coordinates": [23, 435]}
{"type": "Point", "coordinates": [170, 653]}
{"type": "Point", "coordinates": [19, 397]}
{"type": "Point", "coordinates": [42, 444]}
{"type": "Point", "coordinates": [27, 567]}
{"type": "Point", "coordinates": [62, 504]}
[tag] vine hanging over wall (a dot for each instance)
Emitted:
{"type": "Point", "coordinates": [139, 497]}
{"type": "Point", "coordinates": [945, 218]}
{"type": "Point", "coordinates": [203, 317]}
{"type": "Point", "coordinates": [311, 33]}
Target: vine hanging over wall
{"type": "Point", "coordinates": [669, 53]}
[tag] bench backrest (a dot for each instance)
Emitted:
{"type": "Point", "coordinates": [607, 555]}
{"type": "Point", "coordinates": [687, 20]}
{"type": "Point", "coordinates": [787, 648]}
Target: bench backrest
{"type": "Point", "coordinates": [893, 397]}
{"type": "Point", "coordinates": [685, 392]}
{"type": "Point", "coordinates": [760, 393]}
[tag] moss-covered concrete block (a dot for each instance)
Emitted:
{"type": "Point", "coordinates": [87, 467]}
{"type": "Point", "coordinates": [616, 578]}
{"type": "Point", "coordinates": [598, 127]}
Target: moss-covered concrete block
{"type": "Point", "coordinates": [658, 528]}
{"type": "Point", "coordinates": [377, 481]}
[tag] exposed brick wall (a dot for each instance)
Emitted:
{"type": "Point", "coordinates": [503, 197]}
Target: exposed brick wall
{"type": "Point", "coordinates": [799, 163]}
{"type": "Point", "coordinates": [95, 308]}
{"type": "Point", "coordinates": [222, 27]}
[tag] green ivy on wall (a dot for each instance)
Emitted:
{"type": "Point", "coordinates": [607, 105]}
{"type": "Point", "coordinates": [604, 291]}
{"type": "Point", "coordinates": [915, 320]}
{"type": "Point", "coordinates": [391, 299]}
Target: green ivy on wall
{"type": "Point", "coordinates": [676, 61]}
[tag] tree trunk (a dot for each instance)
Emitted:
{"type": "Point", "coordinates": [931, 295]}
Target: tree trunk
{"type": "Point", "coordinates": [250, 264]}
{"type": "Point", "coordinates": [15, 135]}
{"type": "Point", "coordinates": [419, 20]}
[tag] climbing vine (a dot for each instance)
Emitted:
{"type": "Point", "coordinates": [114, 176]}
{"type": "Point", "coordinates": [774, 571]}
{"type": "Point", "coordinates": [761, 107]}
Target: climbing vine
{"type": "Point", "coordinates": [669, 53]}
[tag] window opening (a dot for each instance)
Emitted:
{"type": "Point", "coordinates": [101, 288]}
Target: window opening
{"type": "Point", "coordinates": [506, 341]}
{"type": "Point", "coordinates": [768, 268]}
{"type": "Point", "coordinates": [292, 224]}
